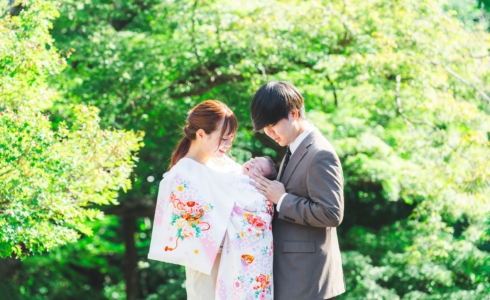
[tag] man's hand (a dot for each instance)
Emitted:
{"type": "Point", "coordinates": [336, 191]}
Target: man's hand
{"type": "Point", "coordinates": [272, 190]}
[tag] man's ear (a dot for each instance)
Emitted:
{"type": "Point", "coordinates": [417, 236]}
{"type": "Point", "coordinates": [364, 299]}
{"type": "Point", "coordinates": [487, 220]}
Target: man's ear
{"type": "Point", "coordinates": [294, 113]}
{"type": "Point", "coordinates": [200, 134]}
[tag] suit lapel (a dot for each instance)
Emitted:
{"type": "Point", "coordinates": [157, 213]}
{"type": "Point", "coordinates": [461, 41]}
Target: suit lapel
{"type": "Point", "coordinates": [296, 158]}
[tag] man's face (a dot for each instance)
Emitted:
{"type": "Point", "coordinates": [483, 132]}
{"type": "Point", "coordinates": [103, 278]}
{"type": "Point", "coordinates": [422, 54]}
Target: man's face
{"type": "Point", "coordinates": [257, 165]}
{"type": "Point", "coordinates": [282, 132]}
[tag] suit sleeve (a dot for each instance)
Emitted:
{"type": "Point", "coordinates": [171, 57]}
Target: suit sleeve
{"type": "Point", "coordinates": [324, 206]}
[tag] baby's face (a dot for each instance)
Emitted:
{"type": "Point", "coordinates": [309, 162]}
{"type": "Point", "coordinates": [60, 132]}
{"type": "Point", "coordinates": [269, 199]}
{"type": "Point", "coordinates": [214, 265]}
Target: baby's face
{"type": "Point", "coordinates": [257, 165]}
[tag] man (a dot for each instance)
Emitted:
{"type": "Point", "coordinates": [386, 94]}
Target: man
{"type": "Point", "coordinates": [308, 194]}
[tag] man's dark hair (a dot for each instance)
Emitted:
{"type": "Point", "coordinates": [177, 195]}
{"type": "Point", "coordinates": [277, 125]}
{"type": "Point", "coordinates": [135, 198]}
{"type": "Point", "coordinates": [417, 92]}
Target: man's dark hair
{"type": "Point", "coordinates": [273, 102]}
{"type": "Point", "coordinates": [272, 174]}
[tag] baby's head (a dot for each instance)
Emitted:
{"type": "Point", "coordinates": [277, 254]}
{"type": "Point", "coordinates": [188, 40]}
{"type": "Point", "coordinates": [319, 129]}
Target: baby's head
{"type": "Point", "coordinates": [261, 165]}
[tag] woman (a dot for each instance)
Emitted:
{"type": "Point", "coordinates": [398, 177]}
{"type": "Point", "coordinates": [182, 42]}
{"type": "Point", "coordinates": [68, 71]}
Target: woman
{"type": "Point", "coordinates": [199, 209]}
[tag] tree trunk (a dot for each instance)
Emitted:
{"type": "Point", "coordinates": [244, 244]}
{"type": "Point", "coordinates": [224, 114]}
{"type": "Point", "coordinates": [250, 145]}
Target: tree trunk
{"type": "Point", "coordinates": [9, 268]}
{"type": "Point", "coordinates": [130, 257]}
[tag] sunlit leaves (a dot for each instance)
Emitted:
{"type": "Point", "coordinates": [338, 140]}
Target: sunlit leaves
{"type": "Point", "coordinates": [398, 87]}
{"type": "Point", "coordinates": [50, 179]}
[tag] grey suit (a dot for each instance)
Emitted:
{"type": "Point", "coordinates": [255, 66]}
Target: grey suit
{"type": "Point", "coordinates": [307, 262]}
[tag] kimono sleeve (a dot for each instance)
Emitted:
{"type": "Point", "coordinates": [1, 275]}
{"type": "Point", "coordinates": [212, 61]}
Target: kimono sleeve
{"type": "Point", "coordinates": [190, 221]}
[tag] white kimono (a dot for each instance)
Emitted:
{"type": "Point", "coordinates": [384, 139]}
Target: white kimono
{"type": "Point", "coordinates": [196, 208]}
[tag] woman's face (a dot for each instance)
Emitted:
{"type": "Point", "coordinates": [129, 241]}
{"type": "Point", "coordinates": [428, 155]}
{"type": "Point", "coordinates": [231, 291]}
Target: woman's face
{"type": "Point", "coordinates": [216, 147]}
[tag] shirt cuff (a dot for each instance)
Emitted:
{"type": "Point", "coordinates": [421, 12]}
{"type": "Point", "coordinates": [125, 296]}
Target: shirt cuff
{"type": "Point", "coordinates": [278, 206]}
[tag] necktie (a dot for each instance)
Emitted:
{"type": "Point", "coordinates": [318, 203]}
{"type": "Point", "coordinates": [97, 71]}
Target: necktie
{"type": "Point", "coordinates": [286, 160]}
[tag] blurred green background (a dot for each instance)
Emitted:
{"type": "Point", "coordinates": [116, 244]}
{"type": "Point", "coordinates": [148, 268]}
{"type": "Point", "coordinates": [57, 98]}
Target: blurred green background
{"type": "Point", "coordinates": [93, 94]}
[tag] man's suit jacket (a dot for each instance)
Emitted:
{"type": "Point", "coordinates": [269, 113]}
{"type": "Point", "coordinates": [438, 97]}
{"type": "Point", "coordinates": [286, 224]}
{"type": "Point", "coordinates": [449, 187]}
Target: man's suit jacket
{"type": "Point", "coordinates": [307, 262]}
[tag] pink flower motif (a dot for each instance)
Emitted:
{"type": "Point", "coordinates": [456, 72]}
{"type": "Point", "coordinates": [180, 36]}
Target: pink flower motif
{"type": "Point", "coordinates": [262, 296]}
{"type": "Point", "coordinates": [188, 232]}
{"type": "Point", "coordinates": [248, 229]}
{"type": "Point", "coordinates": [238, 285]}
{"type": "Point", "coordinates": [262, 282]}
{"type": "Point", "coordinates": [159, 214]}
{"type": "Point", "coordinates": [256, 221]}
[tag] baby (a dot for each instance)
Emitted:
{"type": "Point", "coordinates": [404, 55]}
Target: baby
{"type": "Point", "coordinates": [260, 165]}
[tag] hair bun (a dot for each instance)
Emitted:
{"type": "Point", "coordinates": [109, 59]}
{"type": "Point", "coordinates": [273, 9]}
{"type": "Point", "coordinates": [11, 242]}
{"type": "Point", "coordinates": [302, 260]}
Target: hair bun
{"type": "Point", "coordinates": [187, 132]}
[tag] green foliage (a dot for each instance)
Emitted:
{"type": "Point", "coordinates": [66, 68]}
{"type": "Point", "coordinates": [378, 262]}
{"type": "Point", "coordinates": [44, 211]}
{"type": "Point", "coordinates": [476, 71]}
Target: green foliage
{"type": "Point", "coordinates": [399, 87]}
{"type": "Point", "coordinates": [92, 269]}
{"type": "Point", "coordinates": [77, 269]}
{"type": "Point", "coordinates": [27, 56]}
{"type": "Point", "coordinates": [408, 117]}
{"type": "Point", "coordinates": [50, 178]}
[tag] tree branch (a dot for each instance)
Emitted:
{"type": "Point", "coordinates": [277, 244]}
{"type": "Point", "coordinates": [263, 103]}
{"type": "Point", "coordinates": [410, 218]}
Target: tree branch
{"type": "Point", "coordinates": [120, 24]}
{"type": "Point", "coordinates": [202, 80]}
{"type": "Point", "coordinates": [6, 172]}
{"type": "Point", "coordinates": [479, 56]}
{"type": "Point", "coordinates": [399, 102]}
{"type": "Point", "coordinates": [208, 84]}
{"type": "Point", "coordinates": [334, 91]}
{"type": "Point", "coordinates": [400, 111]}
{"type": "Point", "coordinates": [311, 67]}
{"type": "Point", "coordinates": [482, 93]}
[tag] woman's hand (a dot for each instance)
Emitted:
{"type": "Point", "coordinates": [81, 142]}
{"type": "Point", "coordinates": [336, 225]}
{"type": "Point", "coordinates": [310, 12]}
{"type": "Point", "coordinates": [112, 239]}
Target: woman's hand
{"type": "Point", "coordinates": [272, 190]}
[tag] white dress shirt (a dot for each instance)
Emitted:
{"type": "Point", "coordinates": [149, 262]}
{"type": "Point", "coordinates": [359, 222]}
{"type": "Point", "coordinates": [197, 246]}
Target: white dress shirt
{"type": "Point", "coordinates": [292, 147]}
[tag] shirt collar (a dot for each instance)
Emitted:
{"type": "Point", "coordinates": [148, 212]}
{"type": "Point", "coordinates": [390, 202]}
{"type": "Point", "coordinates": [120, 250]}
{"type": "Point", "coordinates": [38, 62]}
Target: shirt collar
{"type": "Point", "coordinates": [295, 144]}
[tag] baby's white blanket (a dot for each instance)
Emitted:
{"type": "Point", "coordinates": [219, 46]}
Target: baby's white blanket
{"type": "Point", "coordinates": [196, 208]}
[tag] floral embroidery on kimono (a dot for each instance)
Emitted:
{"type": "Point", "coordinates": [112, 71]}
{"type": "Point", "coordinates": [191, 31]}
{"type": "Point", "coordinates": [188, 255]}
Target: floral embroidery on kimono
{"type": "Point", "coordinates": [197, 208]}
{"type": "Point", "coordinates": [189, 216]}
{"type": "Point", "coordinates": [246, 261]}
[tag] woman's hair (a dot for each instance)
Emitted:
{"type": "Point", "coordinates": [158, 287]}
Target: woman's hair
{"type": "Point", "coordinates": [207, 116]}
